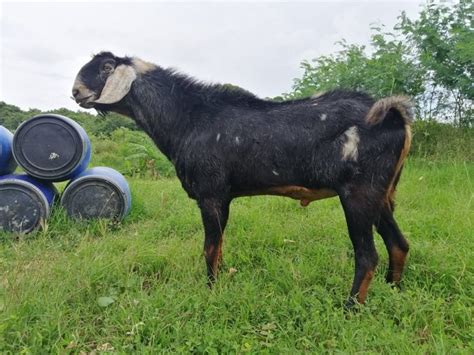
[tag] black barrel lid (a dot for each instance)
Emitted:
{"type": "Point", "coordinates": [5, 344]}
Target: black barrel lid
{"type": "Point", "coordinates": [21, 207]}
{"type": "Point", "coordinates": [47, 146]}
{"type": "Point", "coordinates": [92, 197]}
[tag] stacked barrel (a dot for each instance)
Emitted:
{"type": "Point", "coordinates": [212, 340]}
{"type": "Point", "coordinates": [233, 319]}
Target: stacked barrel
{"type": "Point", "coordinates": [52, 148]}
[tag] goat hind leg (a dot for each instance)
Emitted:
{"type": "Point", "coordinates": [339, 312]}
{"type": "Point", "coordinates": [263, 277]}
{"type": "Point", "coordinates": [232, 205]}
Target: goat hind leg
{"type": "Point", "coordinates": [395, 242]}
{"type": "Point", "coordinates": [359, 220]}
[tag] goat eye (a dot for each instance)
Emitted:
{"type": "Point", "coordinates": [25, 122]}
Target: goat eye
{"type": "Point", "coordinates": [108, 68]}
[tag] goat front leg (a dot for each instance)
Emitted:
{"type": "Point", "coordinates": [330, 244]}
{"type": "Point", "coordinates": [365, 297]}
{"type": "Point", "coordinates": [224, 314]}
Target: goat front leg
{"type": "Point", "coordinates": [214, 212]}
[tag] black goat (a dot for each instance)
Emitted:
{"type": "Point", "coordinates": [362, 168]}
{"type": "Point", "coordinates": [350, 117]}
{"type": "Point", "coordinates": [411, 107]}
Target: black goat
{"type": "Point", "coordinates": [226, 142]}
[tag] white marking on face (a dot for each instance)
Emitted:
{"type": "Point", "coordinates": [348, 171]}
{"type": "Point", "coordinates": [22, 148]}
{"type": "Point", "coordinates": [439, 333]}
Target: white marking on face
{"type": "Point", "coordinates": [323, 117]}
{"type": "Point", "coordinates": [218, 137]}
{"type": "Point", "coordinates": [275, 172]}
{"type": "Point", "coordinates": [237, 140]}
{"type": "Point", "coordinates": [83, 90]}
{"type": "Point", "coordinates": [350, 147]}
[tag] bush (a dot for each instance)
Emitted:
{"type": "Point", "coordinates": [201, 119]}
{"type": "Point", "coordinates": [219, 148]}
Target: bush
{"type": "Point", "coordinates": [438, 141]}
{"type": "Point", "coordinates": [132, 153]}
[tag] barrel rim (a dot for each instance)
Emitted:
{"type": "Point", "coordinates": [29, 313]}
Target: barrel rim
{"type": "Point", "coordinates": [38, 193]}
{"type": "Point", "coordinates": [80, 180]}
{"type": "Point", "coordinates": [6, 130]}
{"type": "Point", "coordinates": [84, 141]}
{"type": "Point", "coordinates": [8, 163]}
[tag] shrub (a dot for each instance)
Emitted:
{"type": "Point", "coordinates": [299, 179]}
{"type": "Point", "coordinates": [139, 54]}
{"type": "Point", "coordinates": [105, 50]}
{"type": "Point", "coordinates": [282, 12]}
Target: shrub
{"type": "Point", "coordinates": [132, 153]}
{"type": "Point", "coordinates": [439, 141]}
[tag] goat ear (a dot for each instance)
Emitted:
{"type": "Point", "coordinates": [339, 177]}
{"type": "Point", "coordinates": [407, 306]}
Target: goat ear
{"type": "Point", "coordinates": [118, 85]}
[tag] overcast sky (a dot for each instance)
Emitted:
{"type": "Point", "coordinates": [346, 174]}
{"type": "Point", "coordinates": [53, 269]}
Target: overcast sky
{"type": "Point", "coordinates": [255, 45]}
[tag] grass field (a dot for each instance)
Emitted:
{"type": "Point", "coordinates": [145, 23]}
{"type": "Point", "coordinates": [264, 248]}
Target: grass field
{"type": "Point", "coordinates": [140, 286]}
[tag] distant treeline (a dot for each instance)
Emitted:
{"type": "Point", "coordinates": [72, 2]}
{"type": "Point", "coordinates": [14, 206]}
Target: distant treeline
{"type": "Point", "coordinates": [11, 116]}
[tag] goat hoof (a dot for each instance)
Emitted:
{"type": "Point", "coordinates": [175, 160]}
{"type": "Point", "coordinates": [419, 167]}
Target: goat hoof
{"type": "Point", "coordinates": [351, 305]}
{"type": "Point", "coordinates": [210, 283]}
{"type": "Point", "coordinates": [395, 285]}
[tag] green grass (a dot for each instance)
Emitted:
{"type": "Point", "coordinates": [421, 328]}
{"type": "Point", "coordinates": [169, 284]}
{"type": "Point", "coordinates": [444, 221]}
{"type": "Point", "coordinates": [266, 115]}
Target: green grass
{"type": "Point", "coordinates": [294, 270]}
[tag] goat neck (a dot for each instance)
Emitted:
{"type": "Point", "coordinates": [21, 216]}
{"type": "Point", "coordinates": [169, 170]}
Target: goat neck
{"type": "Point", "coordinates": [159, 106]}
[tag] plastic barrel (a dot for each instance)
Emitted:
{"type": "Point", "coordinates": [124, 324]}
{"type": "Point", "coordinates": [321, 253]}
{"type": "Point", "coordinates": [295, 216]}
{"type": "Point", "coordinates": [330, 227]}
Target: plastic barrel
{"type": "Point", "coordinates": [24, 202]}
{"type": "Point", "coordinates": [7, 163]}
{"type": "Point", "coordinates": [99, 192]}
{"type": "Point", "coordinates": [51, 147]}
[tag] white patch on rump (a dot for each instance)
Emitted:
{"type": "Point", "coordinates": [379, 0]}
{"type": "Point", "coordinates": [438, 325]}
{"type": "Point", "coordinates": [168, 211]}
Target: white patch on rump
{"type": "Point", "coordinates": [350, 147]}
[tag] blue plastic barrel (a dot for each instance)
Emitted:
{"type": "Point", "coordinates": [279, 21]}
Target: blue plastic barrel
{"type": "Point", "coordinates": [52, 147]}
{"type": "Point", "coordinates": [25, 202]}
{"type": "Point", "coordinates": [7, 163]}
{"type": "Point", "coordinates": [99, 192]}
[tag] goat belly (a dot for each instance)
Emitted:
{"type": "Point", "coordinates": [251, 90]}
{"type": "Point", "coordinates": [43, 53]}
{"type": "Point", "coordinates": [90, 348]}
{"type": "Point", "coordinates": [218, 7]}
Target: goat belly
{"type": "Point", "coordinates": [303, 194]}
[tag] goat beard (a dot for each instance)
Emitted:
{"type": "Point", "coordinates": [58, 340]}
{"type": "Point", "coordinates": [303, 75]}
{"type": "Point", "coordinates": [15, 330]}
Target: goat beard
{"type": "Point", "coordinates": [102, 113]}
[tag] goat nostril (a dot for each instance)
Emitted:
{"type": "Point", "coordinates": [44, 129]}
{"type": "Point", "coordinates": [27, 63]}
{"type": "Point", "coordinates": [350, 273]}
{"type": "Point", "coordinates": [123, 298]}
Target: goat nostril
{"type": "Point", "coordinates": [75, 92]}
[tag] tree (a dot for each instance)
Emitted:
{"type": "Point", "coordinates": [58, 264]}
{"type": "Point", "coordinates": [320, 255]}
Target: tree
{"type": "Point", "coordinates": [388, 70]}
{"type": "Point", "coordinates": [443, 39]}
{"type": "Point", "coordinates": [429, 59]}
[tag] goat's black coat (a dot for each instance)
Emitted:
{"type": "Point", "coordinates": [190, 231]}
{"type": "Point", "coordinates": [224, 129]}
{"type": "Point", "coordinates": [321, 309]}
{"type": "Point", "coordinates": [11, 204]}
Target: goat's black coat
{"type": "Point", "coordinates": [225, 142]}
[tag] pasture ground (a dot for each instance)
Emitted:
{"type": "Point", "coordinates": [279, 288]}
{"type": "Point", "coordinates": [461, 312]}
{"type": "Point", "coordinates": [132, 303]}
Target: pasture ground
{"type": "Point", "coordinates": [140, 286]}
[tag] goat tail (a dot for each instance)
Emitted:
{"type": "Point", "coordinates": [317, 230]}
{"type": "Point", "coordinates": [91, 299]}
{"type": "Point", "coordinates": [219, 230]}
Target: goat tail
{"type": "Point", "coordinates": [391, 108]}
{"type": "Point", "coordinates": [401, 106]}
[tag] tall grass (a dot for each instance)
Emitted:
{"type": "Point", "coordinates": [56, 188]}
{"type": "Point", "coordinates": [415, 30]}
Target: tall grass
{"type": "Point", "coordinates": [442, 142]}
{"type": "Point", "coordinates": [140, 286]}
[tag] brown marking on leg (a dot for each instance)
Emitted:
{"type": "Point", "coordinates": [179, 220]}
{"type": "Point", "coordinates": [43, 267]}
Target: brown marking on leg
{"type": "Point", "coordinates": [360, 208]}
{"type": "Point", "coordinates": [209, 251]}
{"type": "Point", "coordinates": [218, 262]}
{"type": "Point", "coordinates": [396, 244]}
{"type": "Point", "coordinates": [364, 287]}
{"type": "Point", "coordinates": [397, 263]}
{"type": "Point", "coordinates": [213, 257]}
{"type": "Point", "coordinates": [215, 213]}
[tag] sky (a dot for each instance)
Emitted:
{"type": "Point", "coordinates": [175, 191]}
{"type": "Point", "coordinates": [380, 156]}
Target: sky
{"type": "Point", "coordinates": [256, 45]}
